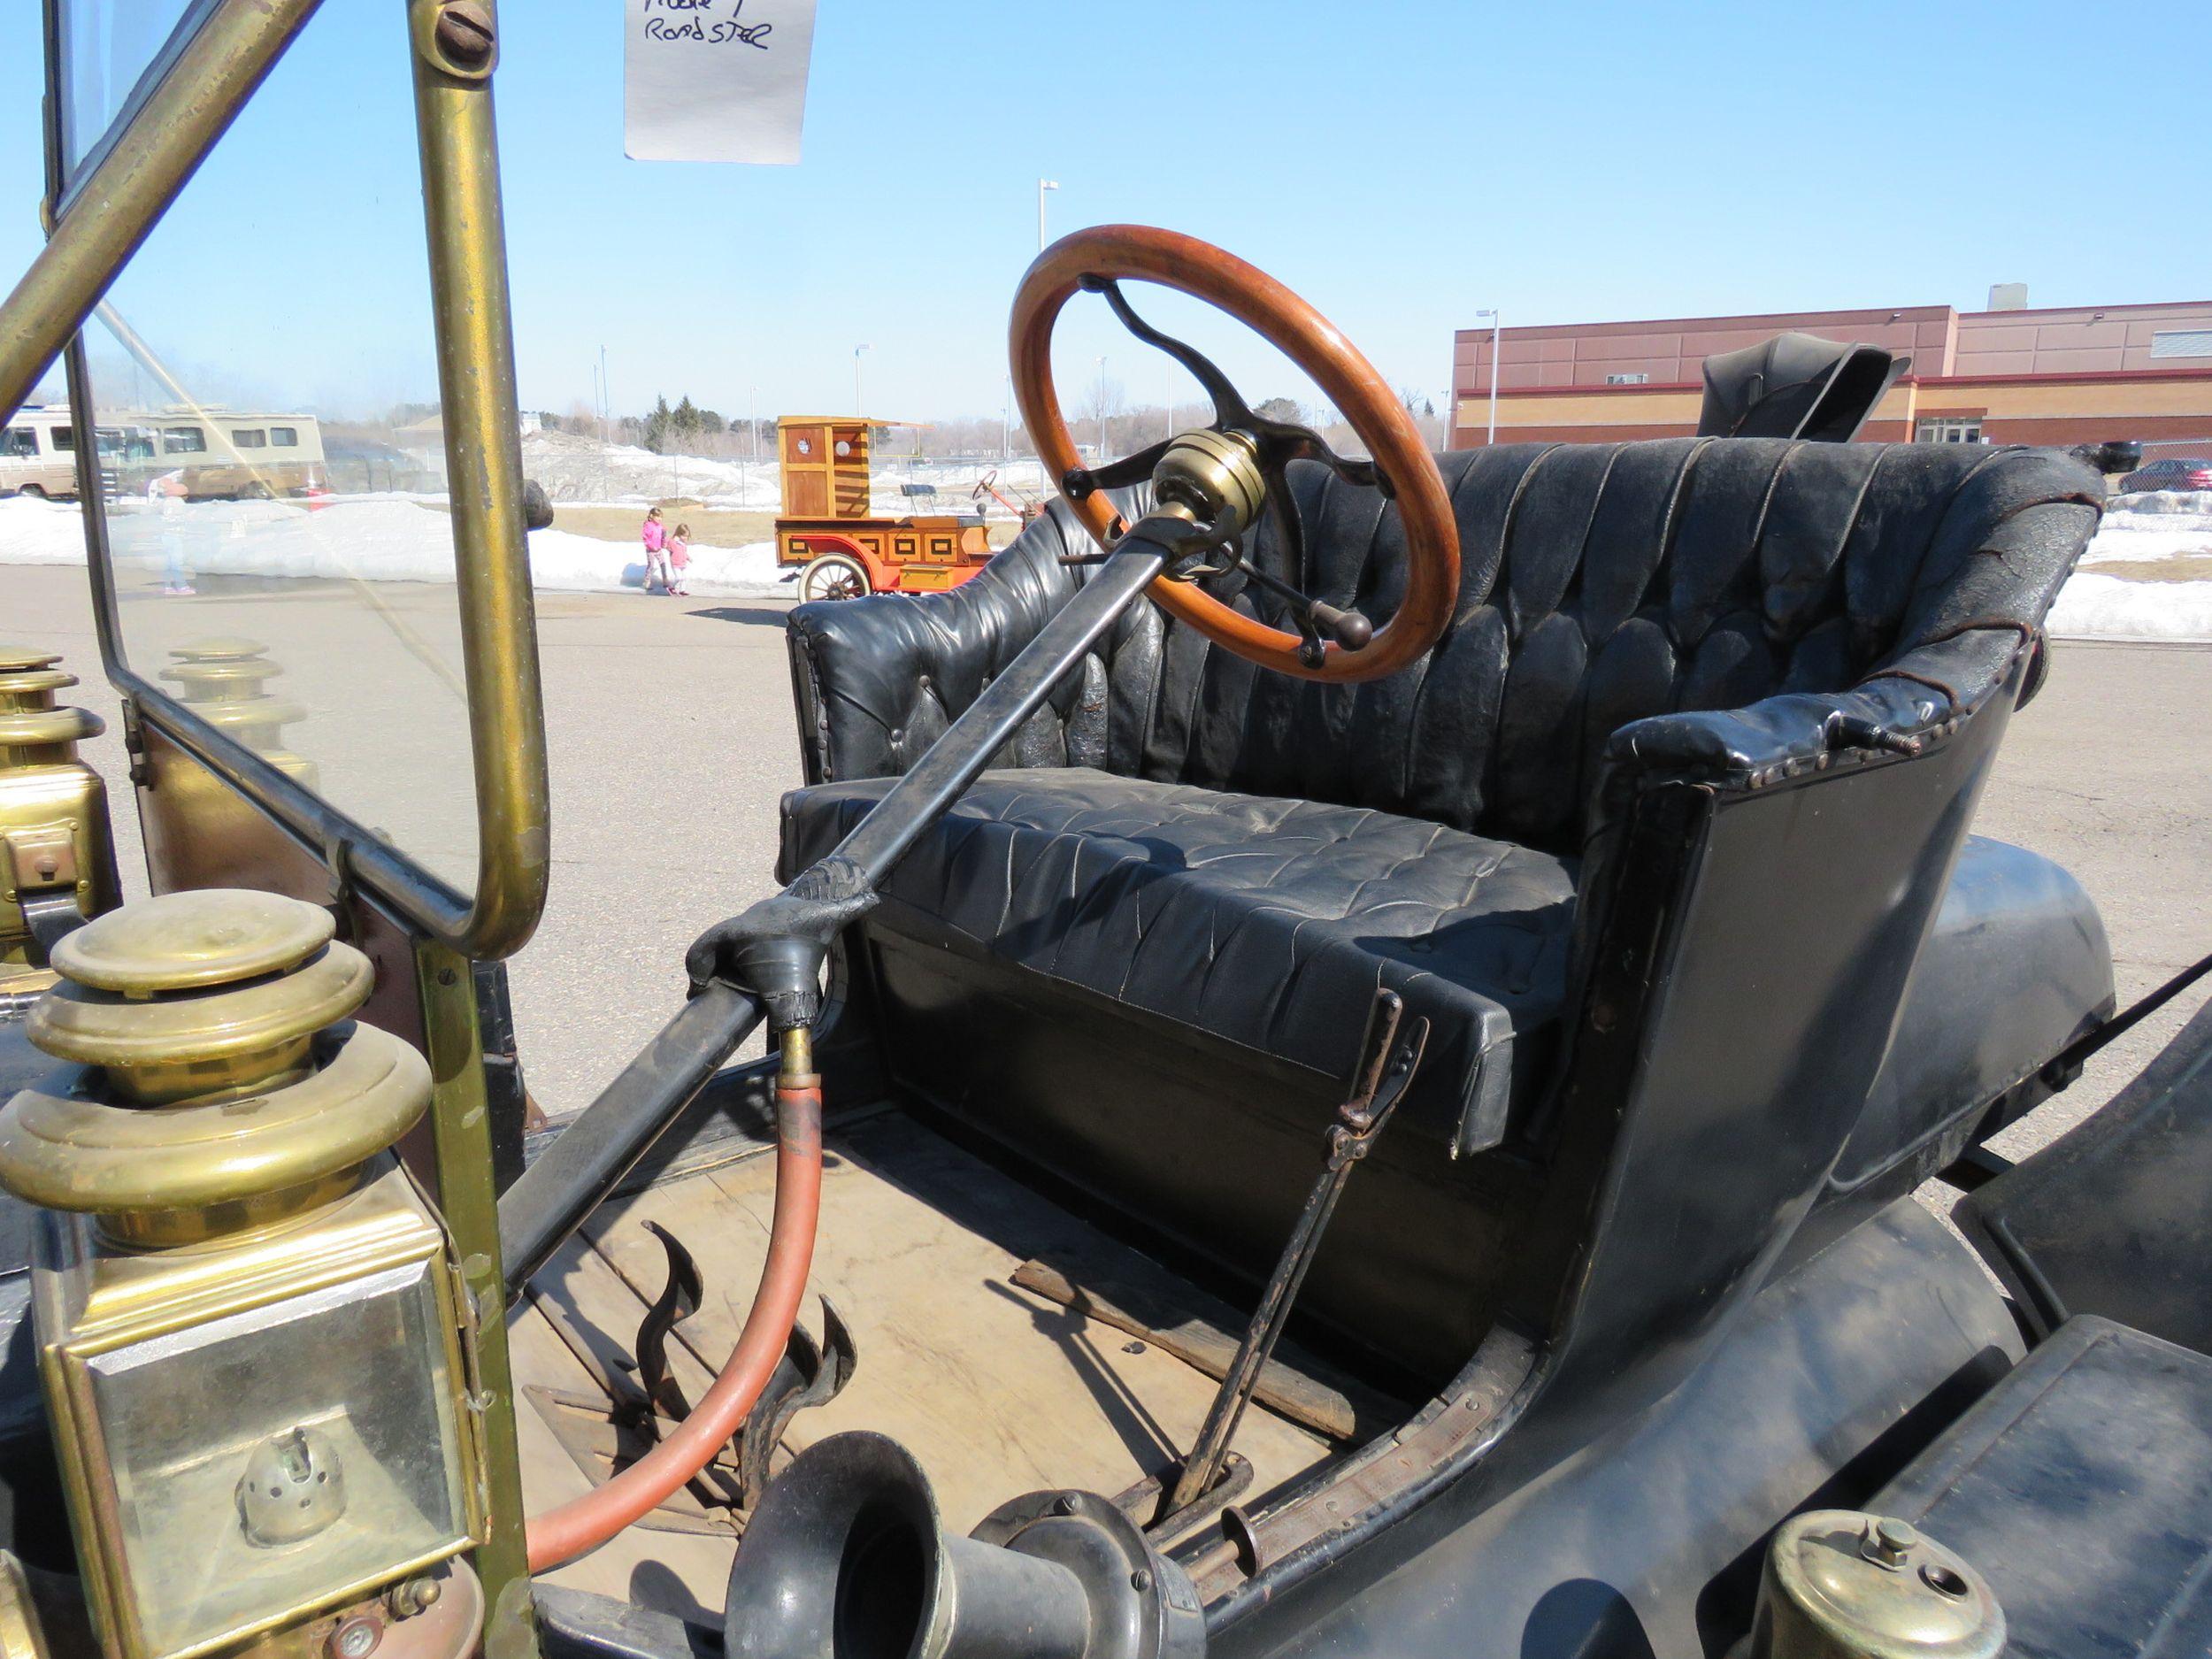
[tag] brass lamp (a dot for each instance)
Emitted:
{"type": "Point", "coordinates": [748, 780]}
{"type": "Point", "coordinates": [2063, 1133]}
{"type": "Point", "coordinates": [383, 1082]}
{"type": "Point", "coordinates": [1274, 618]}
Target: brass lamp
{"type": "Point", "coordinates": [224, 682]}
{"type": "Point", "coordinates": [54, 843]}
{"type": "Point", "coordinates": [250, 1331]}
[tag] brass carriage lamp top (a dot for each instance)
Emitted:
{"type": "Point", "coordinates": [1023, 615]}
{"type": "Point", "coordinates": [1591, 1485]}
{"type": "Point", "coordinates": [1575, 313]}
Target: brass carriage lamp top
{"type": "Point", "coordinates": [252, 1337]}
{"type": "Point", "coordinates": [224, 679]}
{"type": "Point", "coordinates": [57, 857]}
{"type": "Point", "coordinates": [206, 1007]}
{"type": "Point", "coordinates": [33, 728]}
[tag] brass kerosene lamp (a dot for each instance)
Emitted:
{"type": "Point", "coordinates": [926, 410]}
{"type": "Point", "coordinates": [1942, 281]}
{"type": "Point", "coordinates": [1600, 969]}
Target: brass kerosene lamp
{"type": "Point", "coordinates": [56, 863]}
{"type": "Point", "coordinates": [250, 1332]}
{"type": "Point", "coordinates": [226, 682]}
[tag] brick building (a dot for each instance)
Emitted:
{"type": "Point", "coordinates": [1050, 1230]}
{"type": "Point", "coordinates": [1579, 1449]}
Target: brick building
{"type": "Point", "coordinates": [2074, 374]}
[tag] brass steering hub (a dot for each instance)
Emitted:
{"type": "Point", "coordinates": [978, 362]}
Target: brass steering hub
{"type": "Point", "coordinates": [1216, 476]}
{"type": "Point", "coordinates": [212, 1092]}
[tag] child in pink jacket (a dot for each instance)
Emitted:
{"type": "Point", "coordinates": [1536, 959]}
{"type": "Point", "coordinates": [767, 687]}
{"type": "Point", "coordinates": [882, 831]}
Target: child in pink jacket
{"type": "Point", "coordinates": [679, 557]}
{"type": "Point", "coordinates": [655, 535]}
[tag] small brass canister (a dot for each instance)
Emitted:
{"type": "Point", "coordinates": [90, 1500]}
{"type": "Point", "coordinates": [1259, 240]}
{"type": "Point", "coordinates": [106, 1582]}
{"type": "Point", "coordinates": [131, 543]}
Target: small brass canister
{"type": "Point", "coordinates": [1841, 1585]}
{"type": "Point", "coordinates": [54, 845]}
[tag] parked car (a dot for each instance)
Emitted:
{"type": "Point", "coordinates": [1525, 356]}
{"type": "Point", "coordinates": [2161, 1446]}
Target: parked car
{"type": "Point", "coordinates": [2169, 473]}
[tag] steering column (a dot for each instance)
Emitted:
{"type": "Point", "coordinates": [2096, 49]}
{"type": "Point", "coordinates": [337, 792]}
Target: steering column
{"type": "Point", "coordinates": [1211, 486]}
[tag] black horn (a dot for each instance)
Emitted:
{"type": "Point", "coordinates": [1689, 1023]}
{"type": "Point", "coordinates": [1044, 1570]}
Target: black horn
{"type": "Point", "coordinates": [846, 1558]}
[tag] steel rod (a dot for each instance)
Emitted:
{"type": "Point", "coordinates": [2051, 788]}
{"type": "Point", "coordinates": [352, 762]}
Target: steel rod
{"type": "Point", "coordinates": [1378, 1080]}
{"type": "Point", "coordinates": [467, 231]}
{"type": "Point", "coordinates": [1265, 1331]}
{"type": "Point", "coordinates": [551, 1198]}
{"type": "Point", "coordinates": [556, 1193]}
{"type": "Point", "coordinates": [920, 798]}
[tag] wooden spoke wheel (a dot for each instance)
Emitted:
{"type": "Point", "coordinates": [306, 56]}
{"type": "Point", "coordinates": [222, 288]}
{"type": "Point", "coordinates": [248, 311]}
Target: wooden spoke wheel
{"type": "Point", "coordinates": [833, 576]}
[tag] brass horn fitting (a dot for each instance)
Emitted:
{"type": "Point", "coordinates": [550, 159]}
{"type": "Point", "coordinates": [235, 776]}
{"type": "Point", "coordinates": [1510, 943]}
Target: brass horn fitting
{"type": "Point", "coordinates": [223, 680]}
{"type": "Point", "coordinates": [206, 1090]}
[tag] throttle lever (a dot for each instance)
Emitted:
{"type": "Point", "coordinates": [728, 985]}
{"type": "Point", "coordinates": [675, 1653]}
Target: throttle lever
{"type": "Point", "coordinates": [1348, 629]}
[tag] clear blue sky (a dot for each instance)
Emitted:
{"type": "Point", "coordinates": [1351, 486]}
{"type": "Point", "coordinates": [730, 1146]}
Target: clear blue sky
{"type": "Point", "coordinates": [1400, 162]}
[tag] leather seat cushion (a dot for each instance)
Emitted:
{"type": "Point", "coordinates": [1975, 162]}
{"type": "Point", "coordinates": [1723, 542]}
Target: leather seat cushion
{"type": "Point", "coordinates": [1264, 922]}
{"type": "Point", "coordinates": [1269, 922]}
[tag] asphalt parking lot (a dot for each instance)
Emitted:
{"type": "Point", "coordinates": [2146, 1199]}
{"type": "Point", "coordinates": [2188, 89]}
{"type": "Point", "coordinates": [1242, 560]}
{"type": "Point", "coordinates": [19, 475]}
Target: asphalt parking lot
{"type": "Point", "coordinates": [670, 732]}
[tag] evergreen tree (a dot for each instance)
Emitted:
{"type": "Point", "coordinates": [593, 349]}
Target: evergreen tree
{"type": "Point", "coordinates": [657, 427]}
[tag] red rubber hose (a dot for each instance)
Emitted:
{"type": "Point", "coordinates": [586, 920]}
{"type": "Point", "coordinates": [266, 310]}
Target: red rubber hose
{"type": "Point", "coordinates": [585, 1523]}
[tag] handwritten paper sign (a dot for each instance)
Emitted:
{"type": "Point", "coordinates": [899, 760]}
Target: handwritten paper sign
{"type": "Point", "coordinates": [715, 80]}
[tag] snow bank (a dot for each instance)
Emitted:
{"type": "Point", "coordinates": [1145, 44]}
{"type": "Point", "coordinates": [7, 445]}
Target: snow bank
{"type": "Point", "coordinates": [389, 539]}
{"type": "Point", "coordinates": [561, 562]}
{"type": "Point", "coordinates": [33, 532]}
{"type": "Point", "coordinates": [367, 540]}
{"type": "Point", "coordinates": [575, 469]}
{"type": "Point", "coordinates": [2157, 500]}
{"type": "Point", "coordinates": [2127, 538]}
{"type": "Point", "coordinates": [2094, 605]}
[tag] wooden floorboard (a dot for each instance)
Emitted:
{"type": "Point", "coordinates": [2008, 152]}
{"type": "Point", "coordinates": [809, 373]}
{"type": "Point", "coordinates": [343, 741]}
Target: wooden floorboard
{"type": "Point", "coordinates": [996, 1391]}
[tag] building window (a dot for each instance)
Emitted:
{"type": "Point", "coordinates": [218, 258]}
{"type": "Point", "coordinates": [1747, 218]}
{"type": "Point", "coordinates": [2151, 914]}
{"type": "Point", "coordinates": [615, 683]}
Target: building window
{"type": "Point", "coordinates": [1627, 380]}
{"type": "Point", "coordinates": [285, 437]}
{"type": "Point", "coordinates": [2182, 342]}
{"type": "Point", "coordinates": [249, 438]}
{"type": "Point", "coordinates": [183, 441]}
{"type": "Point", "coordinates": [1957, 431]}
{"type": "Point", "coordinates": [18, 442]}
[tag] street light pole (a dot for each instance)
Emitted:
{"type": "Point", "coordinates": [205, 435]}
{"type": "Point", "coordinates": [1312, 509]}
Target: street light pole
{"type": "Point", "coordinates": [1042, 186]}
{"type": "Point", "coordinates": [859, 406]}
{"type": "Point", "coordinates": [1495, 331]}
{"type": "Point", "coordinates": [1102, 409]}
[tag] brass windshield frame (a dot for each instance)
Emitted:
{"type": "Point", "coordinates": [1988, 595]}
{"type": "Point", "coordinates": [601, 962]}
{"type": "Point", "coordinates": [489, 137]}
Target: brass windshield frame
{"type": "Point", "coordinates": [176, 118]}
{"type": "Point", "coordinates": [218, 54]}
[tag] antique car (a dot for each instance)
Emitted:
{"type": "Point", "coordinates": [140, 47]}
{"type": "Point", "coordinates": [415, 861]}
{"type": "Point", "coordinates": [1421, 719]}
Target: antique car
{"type": "Point", "coordinates": [1351, 1042]}
{"type": "Point", "coordinates": [830, 534]}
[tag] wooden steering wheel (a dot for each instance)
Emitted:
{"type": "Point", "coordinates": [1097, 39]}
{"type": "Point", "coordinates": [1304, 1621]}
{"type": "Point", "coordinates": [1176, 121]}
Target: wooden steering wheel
{"type": "Point", "coordinates": [1097, 259]}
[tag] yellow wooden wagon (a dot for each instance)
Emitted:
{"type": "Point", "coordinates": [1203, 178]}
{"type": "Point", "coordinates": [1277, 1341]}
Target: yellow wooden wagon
{"type": "Point", "coordinates": [830, 533]}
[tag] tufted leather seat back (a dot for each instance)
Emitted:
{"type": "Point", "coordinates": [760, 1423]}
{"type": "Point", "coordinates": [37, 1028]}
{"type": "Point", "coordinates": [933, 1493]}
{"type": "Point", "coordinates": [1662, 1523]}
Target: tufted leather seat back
{"type": "Point", "coordinates": [1600, 584]}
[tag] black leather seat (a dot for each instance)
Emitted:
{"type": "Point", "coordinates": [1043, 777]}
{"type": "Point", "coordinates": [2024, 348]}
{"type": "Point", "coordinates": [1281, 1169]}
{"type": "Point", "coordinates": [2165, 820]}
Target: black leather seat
{"type": "Point", "coordinates": [1235, 859]}
{"type": "Point", "coordinates": [1262, 921]}
{"type": "Point", "coordinates": [1284, 848]}
{"type": "Point", "coordinates": [1259, 920]}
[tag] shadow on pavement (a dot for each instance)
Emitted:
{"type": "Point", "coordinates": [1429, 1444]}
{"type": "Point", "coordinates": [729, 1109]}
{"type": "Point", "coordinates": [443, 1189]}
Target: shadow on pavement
{"type": "Point", "coordinates": [742, 614]}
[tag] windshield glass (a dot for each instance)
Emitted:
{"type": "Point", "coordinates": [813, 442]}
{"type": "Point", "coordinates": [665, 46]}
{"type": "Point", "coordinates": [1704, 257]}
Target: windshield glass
{"type": "Point", "coordinates": [111, 50]}
{"type": "Point", "coordinates": [273, 457]}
